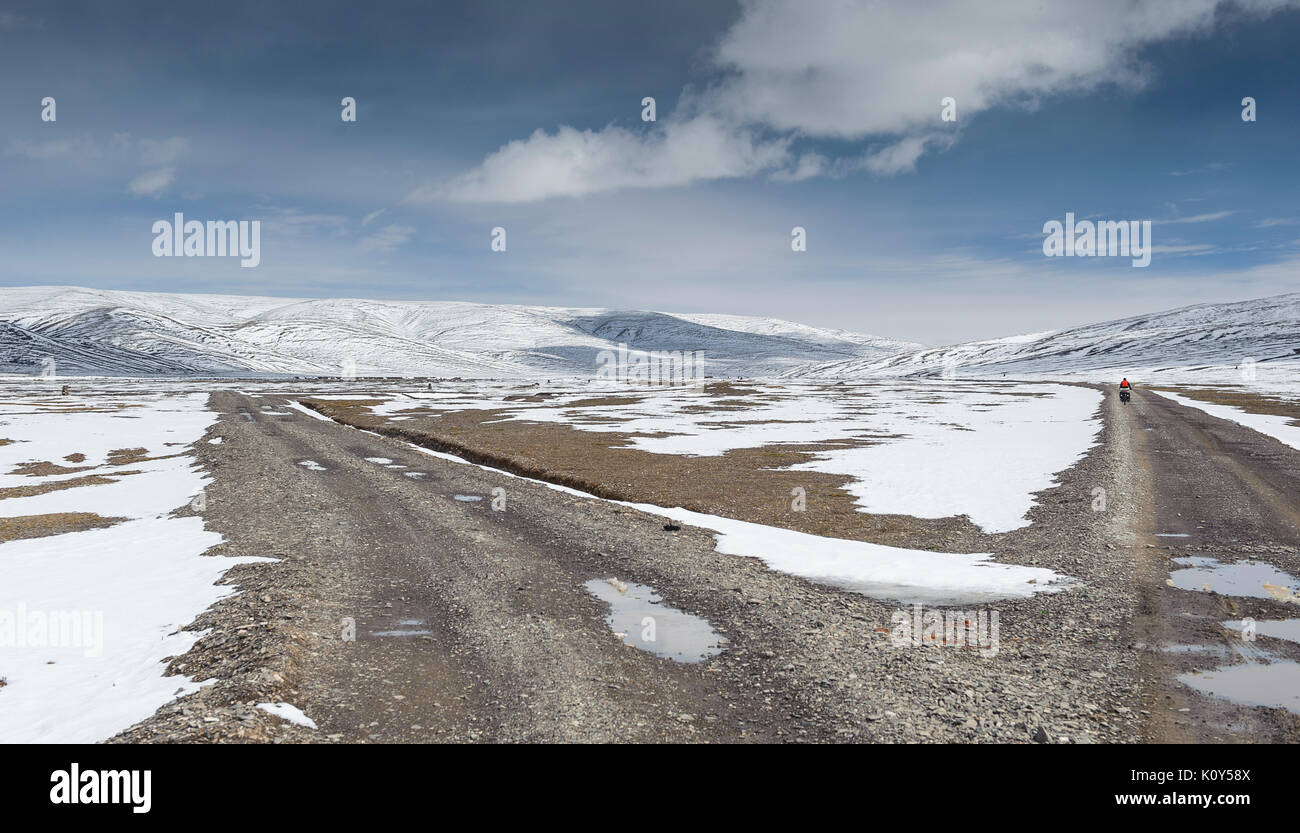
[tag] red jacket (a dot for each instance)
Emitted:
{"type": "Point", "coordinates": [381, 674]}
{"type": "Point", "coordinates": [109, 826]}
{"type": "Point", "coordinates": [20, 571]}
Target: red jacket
{"type": "Point", "coordinates": [1124, 384]}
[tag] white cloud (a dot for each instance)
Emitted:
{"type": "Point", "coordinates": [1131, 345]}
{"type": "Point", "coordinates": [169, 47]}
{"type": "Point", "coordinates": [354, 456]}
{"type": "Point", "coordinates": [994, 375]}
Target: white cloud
{"type": "Point", "coordinates": [849, 70]}
{"type": "Point", "coordinates": [162, 152]}
{"type": "Point", "coordinates": [901, 156]}
{"type": "Point", "coordinates": [1205, 169]}
{"type": "Point", "coordinates": [387, 238]}
{"type": "Point", "coordinates": [573, 162]}
{"type": "Point", "coordinates": [1191, 248]}
{"type": "Point", "coordinates": [808, 166]}
{"type": "Point", "coordinates": [292, 222]}
{"type": "Point", "coordinates": [151, 183]}
{"type": "Point", "coordinates": [1199, 218]}
{"type": "Point", "coordinates": [372, 216]}
{"type": "Point", "coordinates": [9, 20]}
{"type": "Point", "coordinates": [80, 148]}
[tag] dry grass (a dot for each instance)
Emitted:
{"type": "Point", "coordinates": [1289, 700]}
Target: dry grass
{"type": "Point", "coordinates": [57, 408]}
{"type": "Point", "coordinates": [748, 484]}
{"type": "Point", "coordinates": [45, 468]}
{"type": "Point", "coordinates": [603, 401]}
{"type": "Point", "coordinates": [728, 389]}
{"type": "Point", "coordinates": [1248, 401]}
{"type": "Point", "coordinates": [39, 526]}
{"type": "Point", "coordinates": [124, 456]}
{"type": "Point", "coordinates": [59, 485]}
{"type": "Point", "coordinates": [4, 442]}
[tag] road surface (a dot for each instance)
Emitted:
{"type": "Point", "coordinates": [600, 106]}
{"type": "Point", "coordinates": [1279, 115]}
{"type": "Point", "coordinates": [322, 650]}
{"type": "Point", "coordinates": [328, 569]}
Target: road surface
{"type": "Point", "coordinates": [472, 623]}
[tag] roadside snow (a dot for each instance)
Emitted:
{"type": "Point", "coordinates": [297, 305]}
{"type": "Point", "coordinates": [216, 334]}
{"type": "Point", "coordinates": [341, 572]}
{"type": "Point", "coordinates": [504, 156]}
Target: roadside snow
{"type": "Point", "coordinates": [875, 570]}
{"type": "Point", "coordinates": [289, 712]}
{"type": "Point", "coordinates": [1278, 427]}
{"type": "Point", "coordinates": [958, 458]}
{"type": "Point", "coordinates": [928, 449]}
{"type": "Point", "coordinates": [86, 618]}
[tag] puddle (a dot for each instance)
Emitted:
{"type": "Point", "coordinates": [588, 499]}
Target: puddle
{"type": "Point", "coordinates": [312, 464]}
{"type": "Point", "coordinates": [1243, 578]}
{"type": "Point", "coordinates": [1276, 685]}
{"type": "Point", "coordinates": [1288, 629]}
{"type": "Point", "coordinates": [1172, 535]}
{"type": "Point", "coordinates": [1216, 650]}
{"type": "Point", "coordinates": [639, 617]}
{"type": "Point", "coordinates": [468, 498]}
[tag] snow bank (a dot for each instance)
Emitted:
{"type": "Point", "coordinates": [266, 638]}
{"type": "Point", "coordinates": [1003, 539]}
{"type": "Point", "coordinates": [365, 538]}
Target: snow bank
{"type": "Point", "coordinates": [86, 618]}
{"type": "Point", "coordinates": [1280, 428]}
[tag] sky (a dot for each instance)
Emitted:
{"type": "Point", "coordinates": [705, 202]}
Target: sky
{"type": "Point", "coordinates": [824, 115]}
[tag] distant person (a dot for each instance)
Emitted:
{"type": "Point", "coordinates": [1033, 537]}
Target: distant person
{"type": "Point", "coordinates": [1124, 385]}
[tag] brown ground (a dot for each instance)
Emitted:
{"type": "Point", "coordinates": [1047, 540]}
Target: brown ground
{"type": "Point", "coordinates": [1254, 403]}
{"type": "Point", "coordinates": [38, 526]}
{"type": "Point", "coordinates": [748, 484]}
{"type": "Point", "coordinates": [45, 468]}
{"type": "Point", "coordinates": [59, 485]}
{"type": "Point", "coordinates": [124, 456]}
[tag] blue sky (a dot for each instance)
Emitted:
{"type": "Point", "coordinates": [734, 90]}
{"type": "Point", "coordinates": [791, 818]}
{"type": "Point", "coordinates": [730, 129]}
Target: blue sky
{"type": "Point", "coordinates": [771, 115]}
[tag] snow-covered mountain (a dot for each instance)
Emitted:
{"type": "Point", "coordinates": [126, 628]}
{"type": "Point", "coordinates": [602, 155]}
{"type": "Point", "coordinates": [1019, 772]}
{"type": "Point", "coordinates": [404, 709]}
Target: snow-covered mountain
{"type": "Point", "coordinates": [1266, 330]}
{"type": "Point", "coordinates": [89, 331]}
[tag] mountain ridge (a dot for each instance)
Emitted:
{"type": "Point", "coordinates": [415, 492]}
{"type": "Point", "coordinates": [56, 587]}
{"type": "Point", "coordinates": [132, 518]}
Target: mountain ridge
{"type": "Point", "coordinates": [119, 332]}
{"type": "Point", "coordinates": [1263, 330]}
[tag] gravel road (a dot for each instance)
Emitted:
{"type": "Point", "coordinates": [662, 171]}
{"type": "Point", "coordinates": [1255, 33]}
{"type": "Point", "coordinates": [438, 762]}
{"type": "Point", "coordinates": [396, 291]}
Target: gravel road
{"type": "Point", "coordinates": [500, 642]}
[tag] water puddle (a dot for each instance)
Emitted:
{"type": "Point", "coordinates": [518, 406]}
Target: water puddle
{"type": "Point", "coordinates": [1254, 579]}
{"type": "Point", "coordinates": [1195, 648]}
{"type": "Point", "coordinates": [1288, 629]}
{"type": "Point", "coordinates": [639, 617]}
{"type": "Point", "coordinates": [405, 627]}
{"type": "Point", "coordinates": [1172, 535]}
{"type": "Point", "coordinates": [468, 498]}
{"type": "Point", "coordinates": [1276, 685]}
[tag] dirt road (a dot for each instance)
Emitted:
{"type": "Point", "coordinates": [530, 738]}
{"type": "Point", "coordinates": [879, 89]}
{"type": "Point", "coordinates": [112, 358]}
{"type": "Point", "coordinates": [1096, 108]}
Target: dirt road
{"type": "Point", "coordinates": [472, 623]}
{"type": "Point", "coordinates": [1211, 489]}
